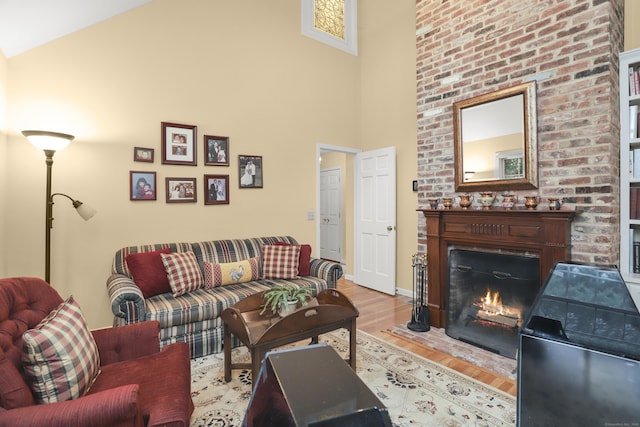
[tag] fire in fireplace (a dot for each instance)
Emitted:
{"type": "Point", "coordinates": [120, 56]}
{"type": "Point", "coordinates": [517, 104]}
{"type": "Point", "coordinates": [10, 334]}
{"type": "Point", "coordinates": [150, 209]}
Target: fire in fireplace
{"type": "Point", "coordinates": [488, 294]}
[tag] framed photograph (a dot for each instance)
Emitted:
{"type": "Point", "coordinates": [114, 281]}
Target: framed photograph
{"type": "Point", "coordinates": [142, 185]}
{"type": "Point", "coordinates": [178, 144]}
{"type": "Point", "coordinates": [216, 189]}
{"type": "Point", "coordinates": [250, 172]}
{"type": "Point", "coordinates": [141, 154]}
{"type": "Point", "coordinates": [181, 190]}
{"type": "Point", "coordinates": [216, 150]}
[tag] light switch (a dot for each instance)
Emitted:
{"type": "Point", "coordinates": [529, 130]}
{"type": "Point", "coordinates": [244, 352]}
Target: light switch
{"type": "Point", "coordinates": [311, 215]}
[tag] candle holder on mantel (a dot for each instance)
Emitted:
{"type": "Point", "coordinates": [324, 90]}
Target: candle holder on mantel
{"type": "Point", "coordinates": [420, 312]}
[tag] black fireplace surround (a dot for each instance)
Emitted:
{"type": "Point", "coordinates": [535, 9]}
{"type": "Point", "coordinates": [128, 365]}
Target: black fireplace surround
{"type": "Point", "coordinates": [488, 295]}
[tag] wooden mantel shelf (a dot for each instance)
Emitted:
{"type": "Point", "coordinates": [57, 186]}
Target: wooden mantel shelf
{"type": "Point", "coordinates": [545, 232]}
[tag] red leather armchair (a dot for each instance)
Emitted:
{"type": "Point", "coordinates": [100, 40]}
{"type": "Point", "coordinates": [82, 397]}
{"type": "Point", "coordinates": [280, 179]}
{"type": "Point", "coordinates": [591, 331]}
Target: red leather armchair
{"type": "Point", "coordinates": [138, 385]}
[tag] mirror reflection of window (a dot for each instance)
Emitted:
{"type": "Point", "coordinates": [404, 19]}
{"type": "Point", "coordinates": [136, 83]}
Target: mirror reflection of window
{"type": "Point", "coordinates": [509, 164]}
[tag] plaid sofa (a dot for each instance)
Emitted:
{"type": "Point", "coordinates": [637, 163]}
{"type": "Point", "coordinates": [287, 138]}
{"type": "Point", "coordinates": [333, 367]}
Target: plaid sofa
{"type": "Point", "coordinates": [194, 317]}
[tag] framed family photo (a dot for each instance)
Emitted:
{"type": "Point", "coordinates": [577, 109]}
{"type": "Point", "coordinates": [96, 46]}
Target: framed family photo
{"type": "Point", "coordinates": [178, 144]}
{"type": "Point", "coordinates": [181, 190]}
{"type": "Point", "coordinates": [142, 185]}
{"type": "Point", "coordinates": [250, 171]}
{"type": "Point", "coordinates": [216, 189]}
{"type": "Point", "coordinates": [141, 154]}
{"type": "Point", "coordinates": [216, 150]}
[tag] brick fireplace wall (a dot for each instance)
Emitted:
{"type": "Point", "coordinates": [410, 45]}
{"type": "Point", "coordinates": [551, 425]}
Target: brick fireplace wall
{"type": "Point", "coordinates": [570, 47]}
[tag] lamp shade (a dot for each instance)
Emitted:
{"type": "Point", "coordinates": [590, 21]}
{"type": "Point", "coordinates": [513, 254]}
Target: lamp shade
{"type": "Point", "coordinates": [84, 210]}
{"type": "Point", "coordinates": [46, 140]}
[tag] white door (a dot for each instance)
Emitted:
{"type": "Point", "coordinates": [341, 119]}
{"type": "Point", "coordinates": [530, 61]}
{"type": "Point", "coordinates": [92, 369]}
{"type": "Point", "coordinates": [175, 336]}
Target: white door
{"type": "Point", "coordinates": [375, 220]}
{"type": "Point", "coordinates": [331, 214]}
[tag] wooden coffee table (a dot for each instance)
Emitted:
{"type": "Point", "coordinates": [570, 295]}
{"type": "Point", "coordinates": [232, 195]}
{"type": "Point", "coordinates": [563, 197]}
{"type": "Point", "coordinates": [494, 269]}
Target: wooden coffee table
{"type": "Point", "coordinates": [328, 311]}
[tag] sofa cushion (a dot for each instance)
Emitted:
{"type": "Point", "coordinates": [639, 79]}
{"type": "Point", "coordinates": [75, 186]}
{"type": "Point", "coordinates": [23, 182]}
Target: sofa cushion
{"type": "Point", "coordinates": [14, 391]}
{"type": "Point", "coordinates": [231, 272]}
{"type": "Point", "coordinates": [157, 405]}
{"type": "Point", "coordinates": [183, 272]}
{"type": "Point", "coordinates": [148, 272]}
{"type": "Point", "coordinates": [280, 262]}
{"type": "Point", "coordinates": [188, 312]}
{"type": "Point", "coordinates": [304, 264]}
{"type": "Point", "coordinates": [60, 356]}
{"type": "Point", "coordinates": [234, 250]}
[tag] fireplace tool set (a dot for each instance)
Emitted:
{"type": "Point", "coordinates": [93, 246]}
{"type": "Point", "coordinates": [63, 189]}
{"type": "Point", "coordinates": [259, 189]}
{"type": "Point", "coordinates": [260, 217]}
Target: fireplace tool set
{"type": "Point", "coordinates": [420, 312]}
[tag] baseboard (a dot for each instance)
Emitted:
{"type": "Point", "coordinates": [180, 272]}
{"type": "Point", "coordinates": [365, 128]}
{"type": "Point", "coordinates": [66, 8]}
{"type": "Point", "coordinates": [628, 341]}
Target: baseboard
{"type": "Point", "coordinates": [404, 292]}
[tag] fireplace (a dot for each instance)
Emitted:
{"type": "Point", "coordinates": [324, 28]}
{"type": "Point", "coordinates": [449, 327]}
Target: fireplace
{"type": "Point", "coordinates": [542, 233]}
{"type": "Point", "coordinates": [488, 294]}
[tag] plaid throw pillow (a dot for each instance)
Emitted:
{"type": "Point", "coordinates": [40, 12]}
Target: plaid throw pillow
{"type": "Point", "coordinates": [183, 272]}
{"type": "Point", "coordinates": [280, 262]}
{"type": "Point", "coordinates": [231, 272]}
{"type": "Point", "coordinates": [304, 266]}
{"type": "Point", "coordinates": [60, 356]}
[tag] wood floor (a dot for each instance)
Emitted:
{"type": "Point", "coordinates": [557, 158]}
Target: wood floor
{"type": "Point", "coordinates": [379, 312]}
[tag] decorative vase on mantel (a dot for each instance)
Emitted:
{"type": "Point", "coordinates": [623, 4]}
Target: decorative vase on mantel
{"type": "Point", "coordinates": [486, 199]}
{"type": "Point", "coordinates": [465, 201]}
{"type": "Point", "coordinates": [531, 202]}
{"type": "Point", "coordinates": [508, 201]}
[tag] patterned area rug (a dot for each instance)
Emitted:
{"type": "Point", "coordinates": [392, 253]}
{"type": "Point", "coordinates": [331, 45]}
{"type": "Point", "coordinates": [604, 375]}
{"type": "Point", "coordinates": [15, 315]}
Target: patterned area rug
{"type": "Point", "coordinates": [416, 391]}
{"type": "Point", "coordinates": [438, 339]}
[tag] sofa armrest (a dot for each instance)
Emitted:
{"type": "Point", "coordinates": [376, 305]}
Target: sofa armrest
{"type": "Point", "coordinates": [127, 342]}
{"type": "Point", "coordinates": [127, 301]}
{"type": "Point", "coordinates": [114, 407]}
{"type": "Point", "coordinates": [327, 270]}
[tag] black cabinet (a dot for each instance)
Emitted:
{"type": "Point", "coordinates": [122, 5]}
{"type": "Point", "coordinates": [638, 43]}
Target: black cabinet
{"type": "Point", "coordinates": [312, 386]}
{"type": "Point", "coordinates": [579, 352]}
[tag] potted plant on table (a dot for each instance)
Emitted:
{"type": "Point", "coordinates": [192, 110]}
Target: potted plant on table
{"type": "Point", "coordinates": [284, 299]}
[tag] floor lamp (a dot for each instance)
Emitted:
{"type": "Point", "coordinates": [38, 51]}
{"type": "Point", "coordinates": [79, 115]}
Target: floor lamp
{"type": "Point", "coordinates": [50, 142]}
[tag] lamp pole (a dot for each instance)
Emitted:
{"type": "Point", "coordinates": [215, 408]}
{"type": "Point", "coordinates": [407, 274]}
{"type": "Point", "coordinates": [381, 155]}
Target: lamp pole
{"type": "Point", "coordinates": [48, 221]}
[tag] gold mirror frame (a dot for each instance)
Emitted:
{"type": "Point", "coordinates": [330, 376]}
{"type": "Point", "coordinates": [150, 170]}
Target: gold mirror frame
{"type": "Point", "coordinates": [529, 140]}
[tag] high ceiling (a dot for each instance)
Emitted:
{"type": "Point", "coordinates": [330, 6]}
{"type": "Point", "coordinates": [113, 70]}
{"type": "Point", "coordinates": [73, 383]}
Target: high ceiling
{"type": "Point", "coordinates": [25, 24]}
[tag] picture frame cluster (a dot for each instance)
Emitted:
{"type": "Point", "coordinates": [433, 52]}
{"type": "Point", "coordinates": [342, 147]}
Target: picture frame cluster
{"type": "Point", "coordinates": [179, 147]}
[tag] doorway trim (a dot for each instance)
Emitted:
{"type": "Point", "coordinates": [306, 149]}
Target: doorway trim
{"type": "Point", "coordinates": [320, 149]}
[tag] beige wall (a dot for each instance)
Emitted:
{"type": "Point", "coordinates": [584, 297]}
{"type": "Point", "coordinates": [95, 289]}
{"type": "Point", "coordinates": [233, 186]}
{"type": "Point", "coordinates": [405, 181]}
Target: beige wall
{"type": "Point", "coordinates": [631, 31]}
{"type": "Point", "coordinates": [3, 154]}
{"type": "Point", "coordinates": [239, 69]}
{"type": "Point", "coordinates": [388, 108]}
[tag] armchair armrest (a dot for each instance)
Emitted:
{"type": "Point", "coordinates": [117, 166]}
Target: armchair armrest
{"type": "Point", "coordinates": [115, 407]}
{"type": "Point", "coordinates": [327, 270]}
{"type": "Point", "coordinates": [127, 342]}
{"type": "Point", "coordinates": [127, 301]}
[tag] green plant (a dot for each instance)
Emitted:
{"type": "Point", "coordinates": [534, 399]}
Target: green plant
{"type": "Point", "coordinates": [281, 294]}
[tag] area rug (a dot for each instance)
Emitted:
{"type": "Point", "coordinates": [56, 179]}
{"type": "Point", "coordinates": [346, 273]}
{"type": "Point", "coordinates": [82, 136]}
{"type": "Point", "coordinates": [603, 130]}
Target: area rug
{"type": "Point", "coordinates": [415, 390]}
{"type": "Point", "coordinates": [438, 339]}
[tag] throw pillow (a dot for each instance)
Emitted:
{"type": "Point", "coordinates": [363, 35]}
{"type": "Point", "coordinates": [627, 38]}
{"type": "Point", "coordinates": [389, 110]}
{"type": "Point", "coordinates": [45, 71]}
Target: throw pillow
{"type": "Point", "coordinates": [60, 356]}
{"type": "Point", "coordinates": [231, 272]}
{"type": "Point", "coordinates": [304, 264]}
{"type": "Point", "coordinates": [183, 272]}
{"type": "Point", "coordinates": [280, 262]}
{"type": "Point", "coordinates": [148, 272]}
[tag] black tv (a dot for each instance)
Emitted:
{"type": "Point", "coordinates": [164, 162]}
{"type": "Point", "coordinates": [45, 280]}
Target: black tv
{"type": "Point", "coordinates": [579, 352]}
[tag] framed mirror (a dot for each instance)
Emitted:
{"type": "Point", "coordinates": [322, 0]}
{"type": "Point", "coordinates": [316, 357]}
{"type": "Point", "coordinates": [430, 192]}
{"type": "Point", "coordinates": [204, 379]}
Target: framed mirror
{"type": "Point", "coordinates": [496, 141]}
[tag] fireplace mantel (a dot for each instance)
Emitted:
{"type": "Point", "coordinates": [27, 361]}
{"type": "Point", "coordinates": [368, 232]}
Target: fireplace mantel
{"type": "Point", "coordinates": [546, 233]}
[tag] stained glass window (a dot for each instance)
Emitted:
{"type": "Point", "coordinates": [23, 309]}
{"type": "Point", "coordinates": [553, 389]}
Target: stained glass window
{"type": "Point", "coordinates": [328, 16]}
{"type": "Point", "coordinates": [334, 22]}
